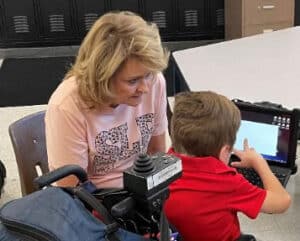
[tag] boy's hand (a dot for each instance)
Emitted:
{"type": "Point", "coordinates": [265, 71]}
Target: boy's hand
{"type": "Point", "coordinates": [277, 199]}
{"type": "Point", "coordinates": [249, 157]}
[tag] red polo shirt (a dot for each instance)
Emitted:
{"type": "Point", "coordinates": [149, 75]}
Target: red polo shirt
{"type": "Point", "coordinates": [204, 202]}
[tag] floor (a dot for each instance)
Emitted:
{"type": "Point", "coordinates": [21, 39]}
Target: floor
{"type": "Point", "coordinates": [266, 227]}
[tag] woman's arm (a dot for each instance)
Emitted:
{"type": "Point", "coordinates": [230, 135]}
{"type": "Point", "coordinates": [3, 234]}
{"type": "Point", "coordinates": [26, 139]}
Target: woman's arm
{"type": "Point", "coordinates": [66, 141]}
{"type": "Point", "coordinates": [157, 144]}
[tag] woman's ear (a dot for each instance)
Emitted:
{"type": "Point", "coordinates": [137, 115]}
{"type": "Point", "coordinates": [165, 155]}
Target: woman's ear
{"type": "Point", "coordinates": [225, 154]}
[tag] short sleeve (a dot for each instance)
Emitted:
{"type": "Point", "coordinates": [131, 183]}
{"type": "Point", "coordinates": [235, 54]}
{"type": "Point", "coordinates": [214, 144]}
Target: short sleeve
{"type": "Point", "coordinates": [160, 98]}
{"type": "Point", "coordinates": [246, 198]}
{"type": "Point", "coordinates": [65, 138]}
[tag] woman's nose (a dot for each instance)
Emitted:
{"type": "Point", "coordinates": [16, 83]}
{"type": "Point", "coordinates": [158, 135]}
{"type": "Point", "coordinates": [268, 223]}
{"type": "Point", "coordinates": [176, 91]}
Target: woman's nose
{"type": "Point", "coordinates": [143, 86]}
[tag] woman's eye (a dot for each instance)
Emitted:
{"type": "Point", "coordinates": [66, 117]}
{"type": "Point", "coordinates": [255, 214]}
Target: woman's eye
{"type": "Point", "coordinates": [133, 81]}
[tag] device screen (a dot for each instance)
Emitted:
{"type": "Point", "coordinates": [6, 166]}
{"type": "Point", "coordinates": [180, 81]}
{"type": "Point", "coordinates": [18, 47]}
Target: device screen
{"type": "Point", "coordinates": [269, 134]}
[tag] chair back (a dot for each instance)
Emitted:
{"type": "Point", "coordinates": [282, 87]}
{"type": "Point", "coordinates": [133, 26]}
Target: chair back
{"type": "Point", "coordinates": [29, 143]}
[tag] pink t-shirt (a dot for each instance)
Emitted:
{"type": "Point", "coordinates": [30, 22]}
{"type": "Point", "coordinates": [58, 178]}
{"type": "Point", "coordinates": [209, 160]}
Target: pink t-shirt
{"type": "Point", "coordinates": [104, 142]}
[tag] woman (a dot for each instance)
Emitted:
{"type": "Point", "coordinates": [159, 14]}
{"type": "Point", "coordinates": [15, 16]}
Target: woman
{"type": "Point", "coordinates": [111, 105]}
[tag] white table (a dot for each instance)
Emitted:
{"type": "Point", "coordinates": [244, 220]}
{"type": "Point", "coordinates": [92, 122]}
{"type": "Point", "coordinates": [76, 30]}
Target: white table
{"type": "Point", "coordinates": [263, 67]}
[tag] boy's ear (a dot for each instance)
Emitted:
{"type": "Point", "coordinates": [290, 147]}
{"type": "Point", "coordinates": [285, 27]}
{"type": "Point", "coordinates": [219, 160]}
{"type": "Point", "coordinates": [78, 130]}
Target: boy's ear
{"type": "Point", "coordinates": [225, 153]}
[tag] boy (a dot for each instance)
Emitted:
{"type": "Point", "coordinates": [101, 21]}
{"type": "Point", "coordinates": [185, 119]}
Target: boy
{"type": "Point", "coordinates": [204, 202]}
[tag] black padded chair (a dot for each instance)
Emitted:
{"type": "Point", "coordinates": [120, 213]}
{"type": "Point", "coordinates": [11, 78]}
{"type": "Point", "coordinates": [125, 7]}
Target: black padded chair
{"type": "Point", "coordinates": [2, 176]}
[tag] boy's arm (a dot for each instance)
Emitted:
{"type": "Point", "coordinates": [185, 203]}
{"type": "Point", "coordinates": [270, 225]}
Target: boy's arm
{"type": "Point", "coordinates": [277, 199]}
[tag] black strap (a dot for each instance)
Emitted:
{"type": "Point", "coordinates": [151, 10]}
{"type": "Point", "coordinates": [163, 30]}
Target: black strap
{"type": "Point", "coordinates": [164, 227]}
{"type": "Point", "coordinates": [89, 199]}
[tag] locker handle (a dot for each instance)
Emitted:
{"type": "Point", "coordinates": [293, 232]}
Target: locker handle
{"type": "Point", "coordinates": [268, 7]}
{"type": "Point", "coordinates": [268, 30]}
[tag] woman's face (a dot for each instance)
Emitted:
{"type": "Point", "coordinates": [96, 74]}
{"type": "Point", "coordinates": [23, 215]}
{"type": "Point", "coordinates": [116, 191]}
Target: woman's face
{"type": "Point", "coordinates": [131, 83]}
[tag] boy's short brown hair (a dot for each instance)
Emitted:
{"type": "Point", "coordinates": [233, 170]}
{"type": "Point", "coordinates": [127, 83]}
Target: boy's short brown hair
{"type": "Point", "coordinates": [203, 122]}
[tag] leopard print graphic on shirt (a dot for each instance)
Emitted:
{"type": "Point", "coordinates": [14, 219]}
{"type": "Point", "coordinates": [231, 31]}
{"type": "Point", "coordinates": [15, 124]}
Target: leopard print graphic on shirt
{"type": "Point", "coordinates": [112, 145]}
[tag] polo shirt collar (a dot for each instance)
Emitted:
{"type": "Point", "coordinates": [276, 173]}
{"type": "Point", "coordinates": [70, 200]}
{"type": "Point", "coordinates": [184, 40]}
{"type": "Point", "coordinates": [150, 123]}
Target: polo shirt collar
{"type": "Point", "coordinates": [207, 164]}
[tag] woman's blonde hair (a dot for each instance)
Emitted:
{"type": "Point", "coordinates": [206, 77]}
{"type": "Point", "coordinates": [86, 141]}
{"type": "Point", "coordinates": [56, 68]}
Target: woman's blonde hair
{"type": "Point", "coordinates": [203, 122]}
{"type": "Point", "coordinates": [115, 37]}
